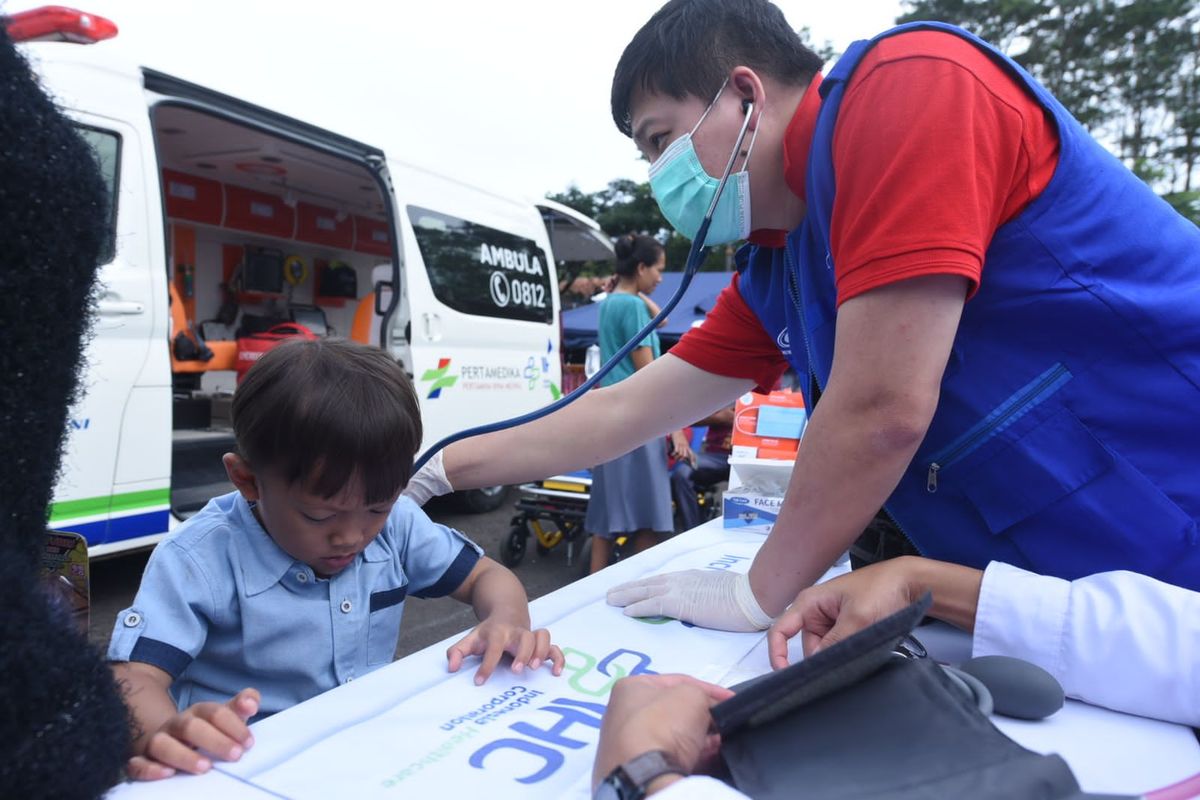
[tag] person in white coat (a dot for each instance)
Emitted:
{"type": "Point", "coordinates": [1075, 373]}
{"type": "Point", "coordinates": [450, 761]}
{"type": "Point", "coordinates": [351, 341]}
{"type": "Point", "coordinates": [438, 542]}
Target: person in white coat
{"type": "Point", "coordinates": [1117, 639]}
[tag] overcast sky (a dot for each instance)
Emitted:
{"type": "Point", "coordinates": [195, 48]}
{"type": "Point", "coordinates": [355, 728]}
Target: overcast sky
{"type": "Point", "coordinates": [510, 94]}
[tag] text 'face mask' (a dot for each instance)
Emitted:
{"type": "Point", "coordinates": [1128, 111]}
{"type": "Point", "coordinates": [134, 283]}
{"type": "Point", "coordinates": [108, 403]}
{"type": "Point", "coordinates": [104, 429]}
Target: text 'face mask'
{"type": "Point", "coordinates": [684, 190]}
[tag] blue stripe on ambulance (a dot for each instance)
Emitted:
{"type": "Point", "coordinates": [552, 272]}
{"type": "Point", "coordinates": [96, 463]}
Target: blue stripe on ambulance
{"type": "Point", "coordinates": [118, 529]}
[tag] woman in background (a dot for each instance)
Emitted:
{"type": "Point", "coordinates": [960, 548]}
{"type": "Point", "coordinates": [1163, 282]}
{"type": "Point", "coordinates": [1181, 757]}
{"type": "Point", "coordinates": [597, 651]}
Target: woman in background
{"type": "Point", "coordinates": [632, 493]}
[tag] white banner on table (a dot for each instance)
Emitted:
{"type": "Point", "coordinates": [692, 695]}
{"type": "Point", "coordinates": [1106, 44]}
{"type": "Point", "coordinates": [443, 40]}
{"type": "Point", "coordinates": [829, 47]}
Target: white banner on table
{"type": "Point", "coordinates": [532, 734]}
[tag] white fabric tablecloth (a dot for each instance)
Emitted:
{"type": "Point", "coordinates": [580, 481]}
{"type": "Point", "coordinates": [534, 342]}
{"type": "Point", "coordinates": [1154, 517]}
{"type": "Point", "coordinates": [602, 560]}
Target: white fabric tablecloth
{"type": "Point", "coordinates": [411, 729]}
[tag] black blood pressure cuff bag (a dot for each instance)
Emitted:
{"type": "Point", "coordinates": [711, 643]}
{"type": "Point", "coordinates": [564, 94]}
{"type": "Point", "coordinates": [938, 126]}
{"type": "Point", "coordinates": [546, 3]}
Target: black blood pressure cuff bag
{"type": "Point", "coordinates": [858, 720]}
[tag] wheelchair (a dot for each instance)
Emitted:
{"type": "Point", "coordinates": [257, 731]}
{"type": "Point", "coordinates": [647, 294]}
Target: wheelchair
{"type": "Point", "coordinates": [553, 511]}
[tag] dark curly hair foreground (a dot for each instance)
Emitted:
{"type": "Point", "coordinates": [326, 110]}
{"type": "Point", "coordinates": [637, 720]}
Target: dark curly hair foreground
{"type": "Point", "coordinates": [64, 730]}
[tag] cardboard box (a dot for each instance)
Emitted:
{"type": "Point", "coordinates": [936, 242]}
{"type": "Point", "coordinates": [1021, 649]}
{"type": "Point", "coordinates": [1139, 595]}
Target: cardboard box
{"type": "Point", "coordinates": [750, 511]}
{"type": "Point", "coordinates": [768, 425]}
{"type": "Point", "coordinates": [761, 473]}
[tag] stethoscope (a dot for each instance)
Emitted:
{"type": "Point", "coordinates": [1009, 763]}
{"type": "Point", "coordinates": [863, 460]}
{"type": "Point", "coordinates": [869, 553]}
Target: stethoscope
{"type": "Point", "coordinates": [694, 259]}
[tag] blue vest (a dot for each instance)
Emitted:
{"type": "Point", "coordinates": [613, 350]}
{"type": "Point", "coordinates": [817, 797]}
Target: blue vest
{"type": "Point", "coordinates": [1067, 434]}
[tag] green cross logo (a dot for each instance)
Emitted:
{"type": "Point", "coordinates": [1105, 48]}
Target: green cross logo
{"type": "Point", "coordinates": [439, 378]}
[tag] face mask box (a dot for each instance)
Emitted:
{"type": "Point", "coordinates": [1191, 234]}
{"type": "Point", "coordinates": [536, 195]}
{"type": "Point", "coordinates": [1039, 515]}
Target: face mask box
{"type": "Point", "coordinates": [750, 510]}
{"type": "Point", "coordinates": [768, 426]}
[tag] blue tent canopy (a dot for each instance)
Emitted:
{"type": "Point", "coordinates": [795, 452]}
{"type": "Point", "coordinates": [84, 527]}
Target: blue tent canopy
{"type": "Point", "coordinates": [579, 324]}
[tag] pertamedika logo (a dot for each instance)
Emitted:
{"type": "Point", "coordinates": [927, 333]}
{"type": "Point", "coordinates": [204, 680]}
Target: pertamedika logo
{"type": "Point", "coordinates": [525, 376]}
{"type": "Point", "coordinates": [440, 379]}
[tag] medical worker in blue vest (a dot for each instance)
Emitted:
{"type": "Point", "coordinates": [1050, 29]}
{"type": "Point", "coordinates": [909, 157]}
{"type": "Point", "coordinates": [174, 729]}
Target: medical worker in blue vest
{"type": "Point", "coordinates": [1001, 322]}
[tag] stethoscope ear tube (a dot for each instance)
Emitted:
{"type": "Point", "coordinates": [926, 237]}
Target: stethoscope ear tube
{"type": "Point", "coordinates": [748, 107]}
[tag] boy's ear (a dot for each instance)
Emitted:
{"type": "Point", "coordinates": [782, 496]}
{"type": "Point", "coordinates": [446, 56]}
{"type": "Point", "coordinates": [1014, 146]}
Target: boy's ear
{"type": "Point", "coordinates": [241, 476]}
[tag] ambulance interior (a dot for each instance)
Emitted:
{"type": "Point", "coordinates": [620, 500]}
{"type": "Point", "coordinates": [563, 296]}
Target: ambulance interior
{"type": "Point", "coordinates": [261, 232]}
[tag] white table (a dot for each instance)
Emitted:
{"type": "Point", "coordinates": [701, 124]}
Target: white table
{"type": "Point", "coordinates": [407, 730]}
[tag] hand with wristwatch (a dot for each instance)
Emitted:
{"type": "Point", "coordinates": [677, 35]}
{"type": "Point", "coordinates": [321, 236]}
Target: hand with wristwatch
{"type": "Point", "coordinates": [657, 729]}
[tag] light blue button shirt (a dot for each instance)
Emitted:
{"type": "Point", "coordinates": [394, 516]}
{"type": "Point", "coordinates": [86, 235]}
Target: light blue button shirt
{"type": "Point", "coordinates": [222, 607]}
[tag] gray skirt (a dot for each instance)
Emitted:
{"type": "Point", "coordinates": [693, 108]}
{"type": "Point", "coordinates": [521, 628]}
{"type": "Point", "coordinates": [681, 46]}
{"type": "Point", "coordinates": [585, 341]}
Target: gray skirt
{"type": "Point", "coordinates": [631, 493]}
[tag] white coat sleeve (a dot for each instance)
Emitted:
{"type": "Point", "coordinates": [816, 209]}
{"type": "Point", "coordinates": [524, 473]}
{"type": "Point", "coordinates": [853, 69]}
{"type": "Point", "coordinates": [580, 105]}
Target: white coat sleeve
{"type": "Point", "coordinates": [699, 787]}
{"type": "Point", "coordinates": [1116, 639]}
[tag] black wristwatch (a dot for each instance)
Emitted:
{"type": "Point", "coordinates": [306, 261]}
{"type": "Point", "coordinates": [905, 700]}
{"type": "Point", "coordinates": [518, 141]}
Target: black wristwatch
{"type": "Point", "coordinates": [630, 780]}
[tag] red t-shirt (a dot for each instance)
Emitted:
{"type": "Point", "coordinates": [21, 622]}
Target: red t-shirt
{"type": "Point", "coordinates": [935, 147]}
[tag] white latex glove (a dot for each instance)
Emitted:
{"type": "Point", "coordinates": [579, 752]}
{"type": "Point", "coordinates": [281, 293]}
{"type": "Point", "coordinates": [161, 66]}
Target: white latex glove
{"type": "Point", "coordinates": [429, 482]}
{"type": "Point", "coordinates": [708, 598]}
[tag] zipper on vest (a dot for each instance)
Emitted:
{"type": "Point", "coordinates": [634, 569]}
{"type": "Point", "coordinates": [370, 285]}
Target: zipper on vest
{"type": "Point", "coordinates": [794, 291]}
{"type": "Point", "coordinates": [903, 533]}
{"type": "Point", "coordinates": [1029, 396]}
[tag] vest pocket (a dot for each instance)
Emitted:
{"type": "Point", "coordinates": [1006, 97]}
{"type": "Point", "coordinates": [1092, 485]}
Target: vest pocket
{"type": "Point", "coordinates": [383, 631]}
{"type": "Point", "coordinates": [1002, 416]}
{"type": "Point", "coordinates": [1051, 461]}
{"type": "Point", "coordinates": [1074, 507]}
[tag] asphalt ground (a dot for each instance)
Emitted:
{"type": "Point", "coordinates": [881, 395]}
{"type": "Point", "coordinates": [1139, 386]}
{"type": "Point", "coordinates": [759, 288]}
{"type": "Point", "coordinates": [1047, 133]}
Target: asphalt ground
{"type": "Point", "coordinates": [114, 581]}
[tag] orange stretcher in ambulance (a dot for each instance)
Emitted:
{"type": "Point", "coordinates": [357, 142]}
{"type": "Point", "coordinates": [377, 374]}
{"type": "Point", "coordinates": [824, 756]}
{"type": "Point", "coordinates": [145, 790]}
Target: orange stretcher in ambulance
{"type": "Point", "coordinates": [234, 227]}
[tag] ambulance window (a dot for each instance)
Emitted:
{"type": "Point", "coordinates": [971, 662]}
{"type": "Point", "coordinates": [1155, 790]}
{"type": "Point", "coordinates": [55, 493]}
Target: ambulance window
{"type": "Point", "coordinates": [480, 270]}
{"type": "Point", "coordinates": [106, 146]}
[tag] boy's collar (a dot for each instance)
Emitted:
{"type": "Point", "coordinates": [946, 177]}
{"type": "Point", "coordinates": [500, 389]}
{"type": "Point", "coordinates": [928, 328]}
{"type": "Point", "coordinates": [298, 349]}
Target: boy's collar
{"type": "Point", "coordinates": [375, 551]}
{"type": "Point", "coordinates": [797, 140]}
{"type": "Point", "coordinates": [264, 563]}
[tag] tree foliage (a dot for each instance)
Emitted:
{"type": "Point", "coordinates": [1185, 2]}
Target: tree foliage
{"type": "Point", "coordinates": [1129, 70]}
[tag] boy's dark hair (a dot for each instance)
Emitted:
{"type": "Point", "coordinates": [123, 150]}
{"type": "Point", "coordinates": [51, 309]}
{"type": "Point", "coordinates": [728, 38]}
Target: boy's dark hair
{"type": "Point", "coordinates": [634, 249]}
{"type": "Point", "coordinates": [329, 412]}
{"type": "Point", "coordinates": [689, 47]}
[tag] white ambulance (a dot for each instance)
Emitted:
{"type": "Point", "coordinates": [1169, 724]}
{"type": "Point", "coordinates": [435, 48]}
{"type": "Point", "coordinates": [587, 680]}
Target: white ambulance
{"type": "Point", "coordinates": [232, 223]}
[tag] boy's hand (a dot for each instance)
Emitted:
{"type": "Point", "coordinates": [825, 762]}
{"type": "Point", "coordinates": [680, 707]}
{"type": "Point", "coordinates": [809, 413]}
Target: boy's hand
{"type": "Point", "coordinates": [186, 740]}
{"type": "Point", "coordinates": [491, 639]}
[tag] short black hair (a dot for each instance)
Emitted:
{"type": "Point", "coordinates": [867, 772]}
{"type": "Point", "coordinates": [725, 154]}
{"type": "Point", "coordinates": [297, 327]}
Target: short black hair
{"type": "Point", "coordinates": [633, 250]}
{"type": "Point", "coordinates": [329, 412]}
{"type": "Point", "coordinates": [689, 47]}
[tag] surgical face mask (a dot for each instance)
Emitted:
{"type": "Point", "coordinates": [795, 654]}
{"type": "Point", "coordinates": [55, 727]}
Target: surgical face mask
{"type": "Point", "coordinates": [685, 192]}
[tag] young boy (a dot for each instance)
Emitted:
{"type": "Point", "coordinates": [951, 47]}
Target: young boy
{"type": "Point", "coordinates": [295, 583]}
